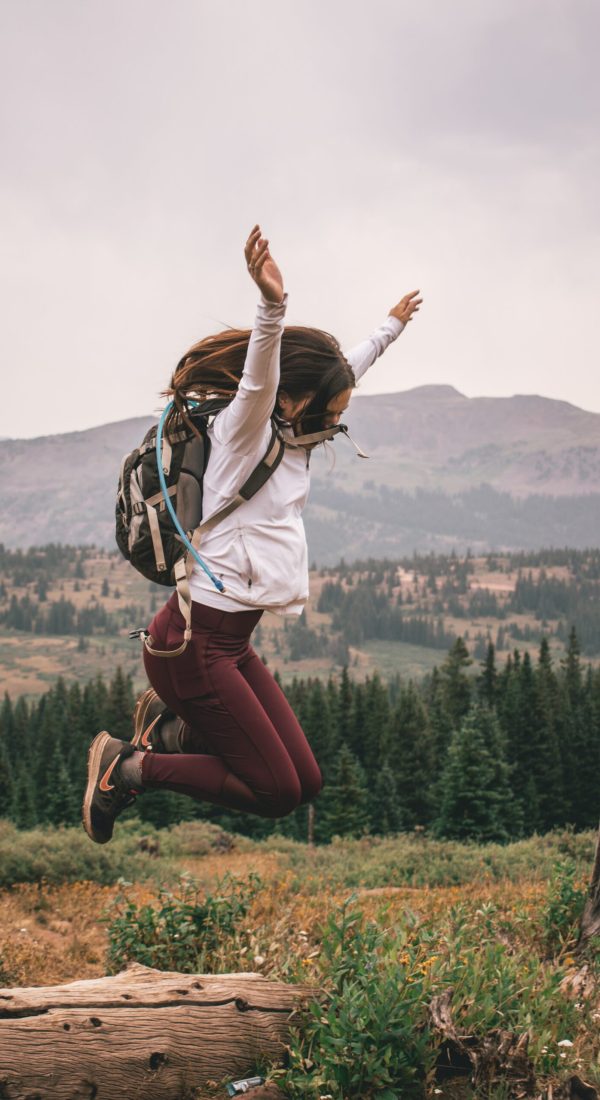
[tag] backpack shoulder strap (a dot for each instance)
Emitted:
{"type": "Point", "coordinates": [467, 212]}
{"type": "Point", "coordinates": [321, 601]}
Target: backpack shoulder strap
{"type": "Point", "coordinates": [259, 476]}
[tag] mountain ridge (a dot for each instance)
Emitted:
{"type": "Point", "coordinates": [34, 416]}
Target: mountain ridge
{"type": "Point", "coordinates": [430, 439]}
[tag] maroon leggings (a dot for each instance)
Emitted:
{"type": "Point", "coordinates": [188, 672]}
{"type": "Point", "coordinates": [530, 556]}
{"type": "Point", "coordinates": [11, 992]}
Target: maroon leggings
{"type": "Point", "coordinates": [255, 756]}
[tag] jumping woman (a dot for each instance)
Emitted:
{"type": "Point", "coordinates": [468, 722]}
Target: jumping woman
{"type": "Point", "coordinates": [215, 725]}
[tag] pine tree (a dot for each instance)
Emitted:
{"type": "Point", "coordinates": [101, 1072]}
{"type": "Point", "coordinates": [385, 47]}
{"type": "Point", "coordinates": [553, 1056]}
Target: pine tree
{"type": "Point", "coordinates": [376, 727]}
{"type": "Point", "coordinates": [23, 742]}
{"type": "Point", "coordinates": [487, 681]}
{"type": "Point", "coordinates": [476, 797]}
{"type": "Point", "coordinates": [356, 726]}
{"type": "Point", "coordinates": [412, 758]}
{"type": "Point", "coordinates": [120, 705]}
{"type": "Point", "coordinates": [51, 739]}
{"type": "Point", "coordinates": [62, 800]}
{"type": "Point", "coordinates": [572, 669]}
{"type": "Point", "coordinates": [586, 748]}
{"type": "Point", "coordinates": [551, 791]}
{"type": "Point", "coordinates": [345, 708]}
{"type": "Point", "coordinates": [439, 720]}
{"type": "Point", "coordinates": [24, 807]}
{"type": "Point", "coordinates": [456, 686]}
{"type": "Point", "coordinates": [571, 724]}
{"type": "Point", "coordinates": [333, 707]}
{"type": "Point", "coordinates": [318, 726]}
{"type": "Point", "coordinates": [384, 805]}
{"type": "Point", "coordinates": [6, 783]}
{"type": "Point", "coordinates": [342, 808]}
{"type": "Point", "coordinates": [7, 723]}
{"type": "Point", "coordinates": [522, 723]}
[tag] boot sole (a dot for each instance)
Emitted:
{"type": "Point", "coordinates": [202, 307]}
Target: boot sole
{"type": "Point", "coordinates": [94, 762]}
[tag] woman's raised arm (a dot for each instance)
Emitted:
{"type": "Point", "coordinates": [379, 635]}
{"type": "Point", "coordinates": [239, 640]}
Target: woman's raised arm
{"type": "Point", "coordinates": [244, 424]}
{"type": "Point", "coordinates": [364, 354]}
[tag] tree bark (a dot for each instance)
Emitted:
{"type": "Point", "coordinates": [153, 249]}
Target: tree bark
{"type": "Point", "coordinates": [141, 1035]}
{"type": "Point", "coordinates": [311, 825]}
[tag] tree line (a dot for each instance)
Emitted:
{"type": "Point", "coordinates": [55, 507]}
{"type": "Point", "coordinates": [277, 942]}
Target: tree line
{"type": "Point", "coordinates": [473, 751]}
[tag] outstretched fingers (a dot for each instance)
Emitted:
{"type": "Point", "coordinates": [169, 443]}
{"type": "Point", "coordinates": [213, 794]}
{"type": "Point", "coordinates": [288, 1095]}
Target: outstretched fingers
{"type": "Point", "coordinates": [250, 245]}
{"type": "Point", "coordinates": [259, 257]}
{"type": "Point", "coordinates": [256, 251]}
{"type": "Point", "coordinates": [407, 305]}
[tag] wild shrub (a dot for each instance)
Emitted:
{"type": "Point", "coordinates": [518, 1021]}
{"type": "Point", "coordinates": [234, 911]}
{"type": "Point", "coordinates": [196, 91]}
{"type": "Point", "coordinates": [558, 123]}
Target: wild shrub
{"type": "Point", "coordinates": [561, 915]}
{"type": "Point", "coordinates": [63, 854]}
{"type": "Point", "coordinates": [368, 1037]}
{"type": "Point", "coordinates": [185, 930]}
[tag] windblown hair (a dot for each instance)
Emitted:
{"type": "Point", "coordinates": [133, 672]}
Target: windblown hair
{"type": "Point", "coordinates": [311, 361]}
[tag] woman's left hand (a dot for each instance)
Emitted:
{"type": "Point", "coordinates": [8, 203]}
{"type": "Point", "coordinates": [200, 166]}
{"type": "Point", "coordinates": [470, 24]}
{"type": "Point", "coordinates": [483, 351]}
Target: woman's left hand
{"type": "Point", "coordinates": [407, 305]}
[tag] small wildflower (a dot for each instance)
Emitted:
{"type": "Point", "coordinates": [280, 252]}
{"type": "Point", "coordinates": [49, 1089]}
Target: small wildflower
{"type": "Point", "coordinates": [564, 1043]}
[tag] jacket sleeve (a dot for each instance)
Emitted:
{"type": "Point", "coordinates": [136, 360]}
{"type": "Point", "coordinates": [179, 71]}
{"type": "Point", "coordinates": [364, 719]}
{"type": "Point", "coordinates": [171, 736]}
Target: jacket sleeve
{"type": "Point", "coordinates": [364, 355]}
{"type": "Point", "coordinates": [244, 424]}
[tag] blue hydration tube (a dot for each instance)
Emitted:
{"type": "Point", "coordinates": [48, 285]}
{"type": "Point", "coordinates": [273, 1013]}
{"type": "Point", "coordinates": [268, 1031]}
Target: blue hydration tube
{"type": "Point", "coordinates": [163, 484]}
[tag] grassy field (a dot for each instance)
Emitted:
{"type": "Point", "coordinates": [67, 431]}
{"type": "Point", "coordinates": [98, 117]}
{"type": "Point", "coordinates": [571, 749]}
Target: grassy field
{"type": "Point", "coordinates": [495, 925]}
{"type": "Point", "coordinates": [408, 661]}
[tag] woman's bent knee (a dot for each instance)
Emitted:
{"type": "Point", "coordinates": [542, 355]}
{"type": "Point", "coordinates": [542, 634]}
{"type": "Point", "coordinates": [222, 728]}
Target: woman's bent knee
{"type": "Point", "coordinates": [283, 801]}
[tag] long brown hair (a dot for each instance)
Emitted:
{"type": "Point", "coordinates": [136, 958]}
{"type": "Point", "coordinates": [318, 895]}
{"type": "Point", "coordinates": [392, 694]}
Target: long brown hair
{"type": "Point", "coordinates": [311, 362]}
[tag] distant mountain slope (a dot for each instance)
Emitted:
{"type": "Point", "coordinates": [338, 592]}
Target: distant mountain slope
{"type": "Point", "coordinates": [431, 451]}
{"type": "Point", "coordinates": [61, 488]}
{"type": "Point", "coordinates": [435, 437]}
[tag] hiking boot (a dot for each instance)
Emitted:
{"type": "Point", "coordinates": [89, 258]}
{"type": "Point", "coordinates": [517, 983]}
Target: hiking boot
{"type": "Point", "coordinates": [106, 794]}
{"type": "Point", "coordinates": [158, 729]}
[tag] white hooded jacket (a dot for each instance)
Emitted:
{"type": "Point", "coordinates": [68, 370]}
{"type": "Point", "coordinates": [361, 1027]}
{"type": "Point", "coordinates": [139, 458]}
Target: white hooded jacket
{"type": "Point", "coordinates": [259, 551]}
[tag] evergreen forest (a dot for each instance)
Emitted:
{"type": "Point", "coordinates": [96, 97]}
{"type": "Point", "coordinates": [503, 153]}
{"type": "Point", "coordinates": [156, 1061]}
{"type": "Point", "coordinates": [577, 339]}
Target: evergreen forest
{"type": "Point", "coordinates": [487, 751]}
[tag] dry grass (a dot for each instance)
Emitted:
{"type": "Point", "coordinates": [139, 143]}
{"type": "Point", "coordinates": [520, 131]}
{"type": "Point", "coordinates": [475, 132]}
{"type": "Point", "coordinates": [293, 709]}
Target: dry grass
{"type": "Point", "coordinates": [53, 934]}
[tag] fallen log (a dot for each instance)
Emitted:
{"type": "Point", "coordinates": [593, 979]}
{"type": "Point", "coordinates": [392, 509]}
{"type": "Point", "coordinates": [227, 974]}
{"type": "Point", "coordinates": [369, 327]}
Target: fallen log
{"type": "Point", "coordinates": [143, 1033]}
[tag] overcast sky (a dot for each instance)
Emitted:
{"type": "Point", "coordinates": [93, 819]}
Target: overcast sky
{"type": "Point", "coordinates": [383, 146]}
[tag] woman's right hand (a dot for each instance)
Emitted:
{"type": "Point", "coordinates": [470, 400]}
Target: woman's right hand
{"type": "Point", "coordinates": [262, 267]}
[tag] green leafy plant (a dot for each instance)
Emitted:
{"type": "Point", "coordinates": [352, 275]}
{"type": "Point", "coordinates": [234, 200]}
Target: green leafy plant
{"type": "Point", "coordinates": [562, 912]}
{"type": "Point", "coordinates": [367, 1037]}
{"type": "Point", "coordinates": [186, 930]}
